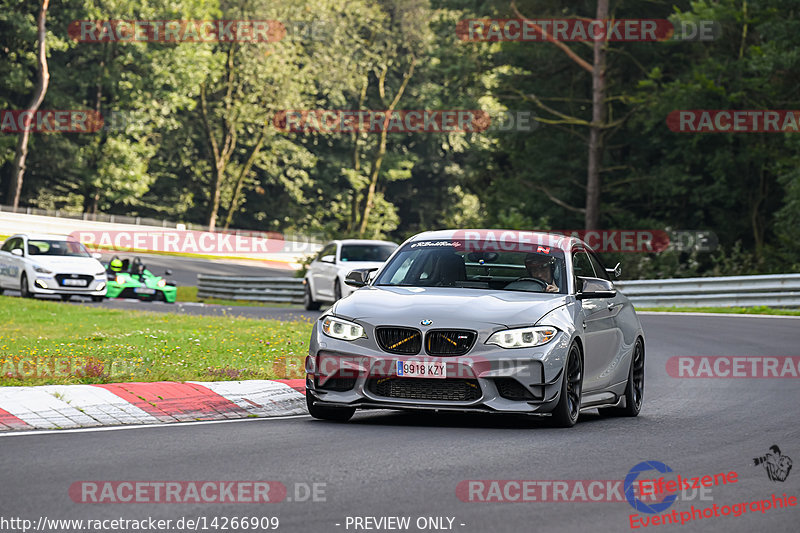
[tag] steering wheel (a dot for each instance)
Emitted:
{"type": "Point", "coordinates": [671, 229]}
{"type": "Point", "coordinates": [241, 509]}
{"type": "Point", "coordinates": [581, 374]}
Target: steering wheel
{"type": "Point", "coordinates": [541, 282]}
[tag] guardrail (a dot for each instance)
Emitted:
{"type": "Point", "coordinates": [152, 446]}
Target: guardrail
{"type": "Point", "coordinates": [775, 290]}
{"type": "Point", "coordinates": [782, 290]}
{"type": "Point", "coordinates": [254, 288]}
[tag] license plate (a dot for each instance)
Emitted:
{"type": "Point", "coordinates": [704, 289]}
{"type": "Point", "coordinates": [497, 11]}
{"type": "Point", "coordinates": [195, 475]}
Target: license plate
{"type": "Point", "coordinates": [74, 282]}
{"type": "Point", "coordinates": [421, 369]}
{"type": "Point", "coordinates": [142, 290]}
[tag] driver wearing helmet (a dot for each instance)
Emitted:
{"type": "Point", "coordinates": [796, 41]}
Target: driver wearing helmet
{"type": "Point", "coordinates": [542, 267]}
{"type": "Point", "coordinates": [115, 265]}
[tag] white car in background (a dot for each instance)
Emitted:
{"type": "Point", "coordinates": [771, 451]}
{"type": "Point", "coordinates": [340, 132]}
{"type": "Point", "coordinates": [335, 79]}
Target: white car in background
{"type": "Point", "coordinates": [324, 280]}
{"type": "Point", "coordinates": [51, 264]}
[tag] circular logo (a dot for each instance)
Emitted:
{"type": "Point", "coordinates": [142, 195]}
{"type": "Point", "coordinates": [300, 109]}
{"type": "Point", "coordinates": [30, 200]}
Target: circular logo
{"type": "Point", "coordinates": [426, 322]}
{"type": "Point", "coordinates": [636, 503]}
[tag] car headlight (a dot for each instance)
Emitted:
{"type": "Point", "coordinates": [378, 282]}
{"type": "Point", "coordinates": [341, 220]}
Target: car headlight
{"type": "Point", "coordinates": [119, 280]}
{"type": "Point", "coordinates": [342, 329]}
{"type": "Point", "coordinates": [162, 283]}
{"type": "Point", "coordinates": [523, 337]}
{"type": "Point", "coordinates": [42, 270]}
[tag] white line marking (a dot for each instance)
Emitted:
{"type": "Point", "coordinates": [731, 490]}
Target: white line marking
{"type": "Point", "coordinates": [140, 426]}
{"type": "Point", "coordinates": [740, 315]}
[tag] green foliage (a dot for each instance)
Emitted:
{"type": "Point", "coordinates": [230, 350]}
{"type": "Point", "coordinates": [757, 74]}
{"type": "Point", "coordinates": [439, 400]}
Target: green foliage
{"type": "Point", "coordinates": [155, 156]}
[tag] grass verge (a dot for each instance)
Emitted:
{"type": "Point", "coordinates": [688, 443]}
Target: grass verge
{"type": "Point", "coordinates": [46, 342]}
{"type": "Point", "coordinates": [760, 310]}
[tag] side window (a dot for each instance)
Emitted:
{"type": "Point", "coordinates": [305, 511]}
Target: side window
{"type": "Point", "coordinates": [7, 245]}
{"type": "Point", "coordinates": [328, 250]}
{"type": "Point", "coordinates": [14, 244]}
{"type": "Point", "coordinates": [599, 269]}
{"type": "Point", "coordinates": [581, 266]}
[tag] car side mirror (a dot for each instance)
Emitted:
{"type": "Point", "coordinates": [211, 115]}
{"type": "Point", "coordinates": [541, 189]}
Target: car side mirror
{"type": "Point", "coordinates": [358, 277]}
{"type": "Point", "coordinates": [17, 252]}
{"type": "Point", "coordinates": [328, 259]}
{"type": "Point", "coordinates": [97, 256]}
{"type": "Point", "coordinates": [616, 271]}
{"type": "Point", "coordinates": [595, 288]}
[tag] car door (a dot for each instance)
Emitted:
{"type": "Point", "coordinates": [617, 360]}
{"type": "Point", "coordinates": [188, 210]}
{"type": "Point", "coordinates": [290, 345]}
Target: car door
{"type": "Point", "coordinates": [614, 306]}
{"type": "Point", "coordinates": [323, 273]}
{"type": "Point", "coordinates": [10, 265]}
{"type": "Point", "coordinates": [599, 329]}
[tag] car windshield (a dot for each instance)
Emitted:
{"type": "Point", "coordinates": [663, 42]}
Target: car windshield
{"type": "Point", "coordinates": [448, 264]}
{"type": "Point", "coordinates": [366, 252]}
{"type": "Point", "coordinates": [62, 248]}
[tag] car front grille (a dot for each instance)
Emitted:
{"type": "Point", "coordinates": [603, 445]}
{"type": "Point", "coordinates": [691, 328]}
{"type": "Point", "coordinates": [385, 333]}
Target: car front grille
{"type": "Point", "coordinates": [511, 389]}
{"type": "Point", "coordinates": [457, 390]}
{"type": "Point", "coordinates": [404, 341]}
{"type": "Point", "coordinates": [86, 278]}
{"type": "Point", "coordinates": [449, 342]}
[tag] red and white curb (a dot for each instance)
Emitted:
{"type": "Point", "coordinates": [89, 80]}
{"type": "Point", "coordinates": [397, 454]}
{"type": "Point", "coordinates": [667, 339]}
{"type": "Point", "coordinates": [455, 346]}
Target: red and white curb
{"type": "Point", "coordinates": [76, 406]}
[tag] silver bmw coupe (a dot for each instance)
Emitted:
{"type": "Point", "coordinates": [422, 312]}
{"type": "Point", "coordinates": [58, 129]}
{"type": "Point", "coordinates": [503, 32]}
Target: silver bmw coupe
{"type": "Point", "coordinates": [480, 321]}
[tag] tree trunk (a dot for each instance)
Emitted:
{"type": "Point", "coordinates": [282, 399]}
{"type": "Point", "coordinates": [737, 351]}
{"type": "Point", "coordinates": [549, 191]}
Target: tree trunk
{"type": "Point", "coordinates": [593, 180]}
{"type": "Point", "coordinates": [237, 192]}
{"type": "Point", "coordinates": [376, 166]}
{"type": "Point", "coordinates": [221, 154]}
{"type": "Point", "coordinates": [356, 193]}
{"type": "Point", "coordinates": [42, 81]}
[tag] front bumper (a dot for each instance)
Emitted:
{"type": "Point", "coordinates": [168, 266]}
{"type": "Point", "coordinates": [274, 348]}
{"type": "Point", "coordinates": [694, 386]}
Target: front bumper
{"type": "Point", "coordinates": [48, 284]}
{"type": "Point", "coordinates": [488, 379]}
{"type": "Point", "coordinates": [165, 294]}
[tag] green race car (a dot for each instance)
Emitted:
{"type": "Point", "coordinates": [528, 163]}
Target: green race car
{"type": "Point", "coordinates": [130, 279]}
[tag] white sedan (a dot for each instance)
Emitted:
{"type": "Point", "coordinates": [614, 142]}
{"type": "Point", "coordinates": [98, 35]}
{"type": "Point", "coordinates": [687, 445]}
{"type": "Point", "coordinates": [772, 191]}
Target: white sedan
{"type": "Point", "coordinates": [324, 281]}
{"type": "Point", "coordinates": [51, 264]}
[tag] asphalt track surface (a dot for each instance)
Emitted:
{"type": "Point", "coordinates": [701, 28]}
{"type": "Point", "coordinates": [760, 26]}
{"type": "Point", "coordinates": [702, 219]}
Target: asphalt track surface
{"type": "Point", "coordinates": [185, 269]}
{"type": "Point", "coordinates": [396, 464]}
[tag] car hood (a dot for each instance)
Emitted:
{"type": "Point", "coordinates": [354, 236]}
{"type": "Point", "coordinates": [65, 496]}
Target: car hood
{"type": "Point", "coordinates": [446, 307]}
{"type": "Point", "coordinates": [68, 265]}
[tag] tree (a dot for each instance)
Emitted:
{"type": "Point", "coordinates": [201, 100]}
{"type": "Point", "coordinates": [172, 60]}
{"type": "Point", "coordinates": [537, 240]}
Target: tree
{"type": "Point", "coordinates": [39, 91]}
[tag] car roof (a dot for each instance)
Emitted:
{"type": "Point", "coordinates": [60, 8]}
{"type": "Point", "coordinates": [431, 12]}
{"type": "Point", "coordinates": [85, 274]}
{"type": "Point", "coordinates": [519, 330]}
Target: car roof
{"type": "Point", "coordinates": [363, 241]}
{"type": "Point", "coordinates": [44, 237]}
{"type": "Point", "coordinates": [563, 242]}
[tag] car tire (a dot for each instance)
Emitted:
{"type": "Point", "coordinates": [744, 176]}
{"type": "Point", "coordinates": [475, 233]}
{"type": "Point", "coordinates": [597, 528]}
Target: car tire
{"type": "Point", "coordinates": [65, 297]}
{"type": "Point", "coordinates": [337, 290]}
{"type": "Point", "coordinates": [308, 300]}
{"type": "Point", "coordinates": [24, 290]}
{"type": "Point", "coordinates": [336, 414]}
{"type": "Point", "coordinates": [568, 408]}
{"type": "Point", "coordinates": [634, 391]}
{"type": "Point", "coordinates": [98, 298]}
